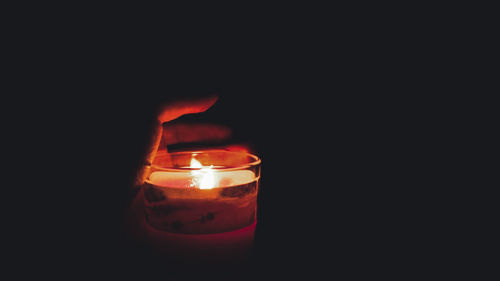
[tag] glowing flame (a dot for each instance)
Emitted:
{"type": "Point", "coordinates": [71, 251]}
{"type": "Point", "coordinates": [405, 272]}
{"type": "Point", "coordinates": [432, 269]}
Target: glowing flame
{"type": "Point", "coordinates": [204, 178]}
{"type": "Point", "coordinates": [195, 163]}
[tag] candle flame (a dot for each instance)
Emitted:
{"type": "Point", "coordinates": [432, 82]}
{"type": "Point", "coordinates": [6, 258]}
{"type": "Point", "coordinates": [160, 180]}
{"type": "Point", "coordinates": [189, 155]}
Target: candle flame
{"type": "Point", "coordinates": [195, 163]}
{"type": "Point", "coordinates": [203, 178]}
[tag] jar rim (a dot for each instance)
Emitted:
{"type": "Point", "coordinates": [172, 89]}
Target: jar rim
{"type": "Point", "coordinates": [255, 161]}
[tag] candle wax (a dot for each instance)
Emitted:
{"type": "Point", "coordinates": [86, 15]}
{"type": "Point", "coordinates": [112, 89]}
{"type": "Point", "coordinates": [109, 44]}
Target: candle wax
{"type": "Point", "coordinates": [184, 179]}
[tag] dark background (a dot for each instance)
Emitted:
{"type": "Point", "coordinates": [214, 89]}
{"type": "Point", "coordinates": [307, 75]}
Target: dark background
{"type": "Point", "coordinates": [369, 120]}
{"type": "Point", "coordinates": [331, 147]}
{"type": "Point", "coordinates": [340, 129]}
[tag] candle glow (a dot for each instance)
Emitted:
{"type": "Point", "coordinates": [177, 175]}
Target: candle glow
{"type": "Point", "coordinates": [201, 206]}
{"type": "Point", "coordinates": [203, 178]}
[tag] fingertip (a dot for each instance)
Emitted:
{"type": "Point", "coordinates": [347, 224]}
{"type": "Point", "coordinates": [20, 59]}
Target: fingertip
{"type": "Point", "coordinates": [171, 111]}
{"type": "Point", "coordinates": [239, 148]}
{"type": "Point", "coordinates": [208, 102]}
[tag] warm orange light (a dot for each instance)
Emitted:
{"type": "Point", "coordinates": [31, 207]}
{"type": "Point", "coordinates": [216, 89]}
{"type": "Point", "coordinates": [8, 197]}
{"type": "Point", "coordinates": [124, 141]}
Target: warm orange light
{"type": "Point", "coordinates": [238, 147]}
{"type": "Point", "coordinates": [204, 178]}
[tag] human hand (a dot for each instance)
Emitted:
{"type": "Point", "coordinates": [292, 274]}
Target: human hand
{"type": "Point", "coordinates": [164, 134]}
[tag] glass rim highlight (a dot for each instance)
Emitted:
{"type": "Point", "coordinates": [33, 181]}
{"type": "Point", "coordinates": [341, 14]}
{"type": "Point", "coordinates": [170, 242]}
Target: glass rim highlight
{"type": "Point", "coordinates": [255, 161]}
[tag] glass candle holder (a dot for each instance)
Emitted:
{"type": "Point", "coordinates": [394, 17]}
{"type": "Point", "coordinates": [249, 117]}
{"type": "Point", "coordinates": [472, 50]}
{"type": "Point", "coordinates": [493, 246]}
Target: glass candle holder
{"type": "Point", "coordinates": [202, 205]}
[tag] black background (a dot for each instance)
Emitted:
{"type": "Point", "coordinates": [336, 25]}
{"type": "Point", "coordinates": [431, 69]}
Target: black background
{"type": "Point", "coordinates": [331, 152]}
{"type": "Point", "coordinates": [339, 128]}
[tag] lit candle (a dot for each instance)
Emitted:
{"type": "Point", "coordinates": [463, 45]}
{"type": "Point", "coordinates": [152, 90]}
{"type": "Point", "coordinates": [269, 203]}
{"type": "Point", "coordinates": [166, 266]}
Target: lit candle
{"type": "Point", "coordinates": [205, 178]}
{"type": "Point", "coordinates": [204, 211]}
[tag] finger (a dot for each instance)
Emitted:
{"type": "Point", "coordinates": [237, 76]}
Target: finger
{"type": "Point", "coordinates": [167, 113]}
{"type": "Point", "coordinates": [174, 110]}
{"type": "Point", "coordinates": [188, 133]}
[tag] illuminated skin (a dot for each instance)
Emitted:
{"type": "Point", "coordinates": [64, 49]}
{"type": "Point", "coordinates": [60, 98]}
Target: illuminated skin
{"type": "Point", "coordinates": [169, 112]}
{"type": "Point", "coordinates": [166, 135]}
